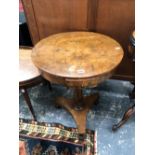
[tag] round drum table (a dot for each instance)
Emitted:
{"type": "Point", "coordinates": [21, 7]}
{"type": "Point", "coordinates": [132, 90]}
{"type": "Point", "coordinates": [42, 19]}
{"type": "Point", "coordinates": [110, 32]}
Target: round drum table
{"type": "Point", "coordinates": [77, 60]}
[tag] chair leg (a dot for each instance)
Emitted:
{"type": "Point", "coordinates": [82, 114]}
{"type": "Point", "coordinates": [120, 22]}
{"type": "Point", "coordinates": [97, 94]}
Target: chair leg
{"type": "Point", "coordinates": [126, 116]}
{"type": "Point", "coordinates": [132, 94]}
{"type": "Point", "coordinates": [48, 84]}
{"type": "Point", "coordinates": [28, 102]}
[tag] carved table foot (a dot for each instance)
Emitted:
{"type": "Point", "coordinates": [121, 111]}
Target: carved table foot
{"type": "Point", "coordinates": [78, 110]}
{"type": "Point", "coordinates": [126, 116]}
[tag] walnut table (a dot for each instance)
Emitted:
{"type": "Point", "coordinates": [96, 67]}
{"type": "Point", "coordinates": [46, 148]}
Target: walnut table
{"type": "Point", "coordinates": [28, 75]}
{"type": "Point", "coordinates": [77, 60]}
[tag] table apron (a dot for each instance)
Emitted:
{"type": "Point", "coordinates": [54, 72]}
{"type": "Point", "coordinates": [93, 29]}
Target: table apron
{"type": "Point", "coordinates": [76, 82]}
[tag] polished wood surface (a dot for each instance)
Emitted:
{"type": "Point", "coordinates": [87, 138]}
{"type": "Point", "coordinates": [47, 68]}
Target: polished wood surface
{"type": "Point", "coordinates": [77, 56]}
{"type": "Point", "coordinates": [29, 75]}
{"type": "Point", "coordinates": [125, 118]}
{"type": "Point", "coordinates": [27, 70]}
{"type": "Point", "coordinates": [115, 18]}
{"type": "Point", "coordinates": [77, 59]}
{"type": "Point", "coordinates": [79, 112]}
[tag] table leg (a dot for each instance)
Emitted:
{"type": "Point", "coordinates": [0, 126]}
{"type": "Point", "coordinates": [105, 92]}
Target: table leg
{"type": "Point", "coordinates": [78, 97]}
{"type": "Point", "coordinates": [128, 113]}
{"type": "Point", "coordinates": [132, 95]}
{"type": "Point", "coordinates": [78, 107]}
{"type": "Point", "coordinates": [48, 84]}
{"type": "Point", "coordinates": [28, 102]}
{"type": "Point", "coordinates": [126, 116]}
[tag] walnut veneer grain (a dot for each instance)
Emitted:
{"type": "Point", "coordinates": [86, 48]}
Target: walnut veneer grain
{"type": "Point", "coordinates": [77, 59]}
{"type": "Point", "coordinates": [77, 56]}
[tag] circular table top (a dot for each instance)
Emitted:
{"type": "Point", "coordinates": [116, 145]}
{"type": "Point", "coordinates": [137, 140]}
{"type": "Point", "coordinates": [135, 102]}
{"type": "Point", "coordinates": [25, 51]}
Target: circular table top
{"type": "Point", "coordinates": [27, 70]}
{"type": "Point", "coordinates": [77, 54]}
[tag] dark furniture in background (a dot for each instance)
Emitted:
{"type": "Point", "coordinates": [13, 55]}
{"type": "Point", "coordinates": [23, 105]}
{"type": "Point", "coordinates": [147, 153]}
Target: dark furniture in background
{"type": "Point", "coordinates": [29, 75]}
{"type": "Point", "coordinates": [24, 35]}
{"type": "Point", "coordinates": [115, 18]}
{"type": "Point", "coordinates": [131, 110]}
